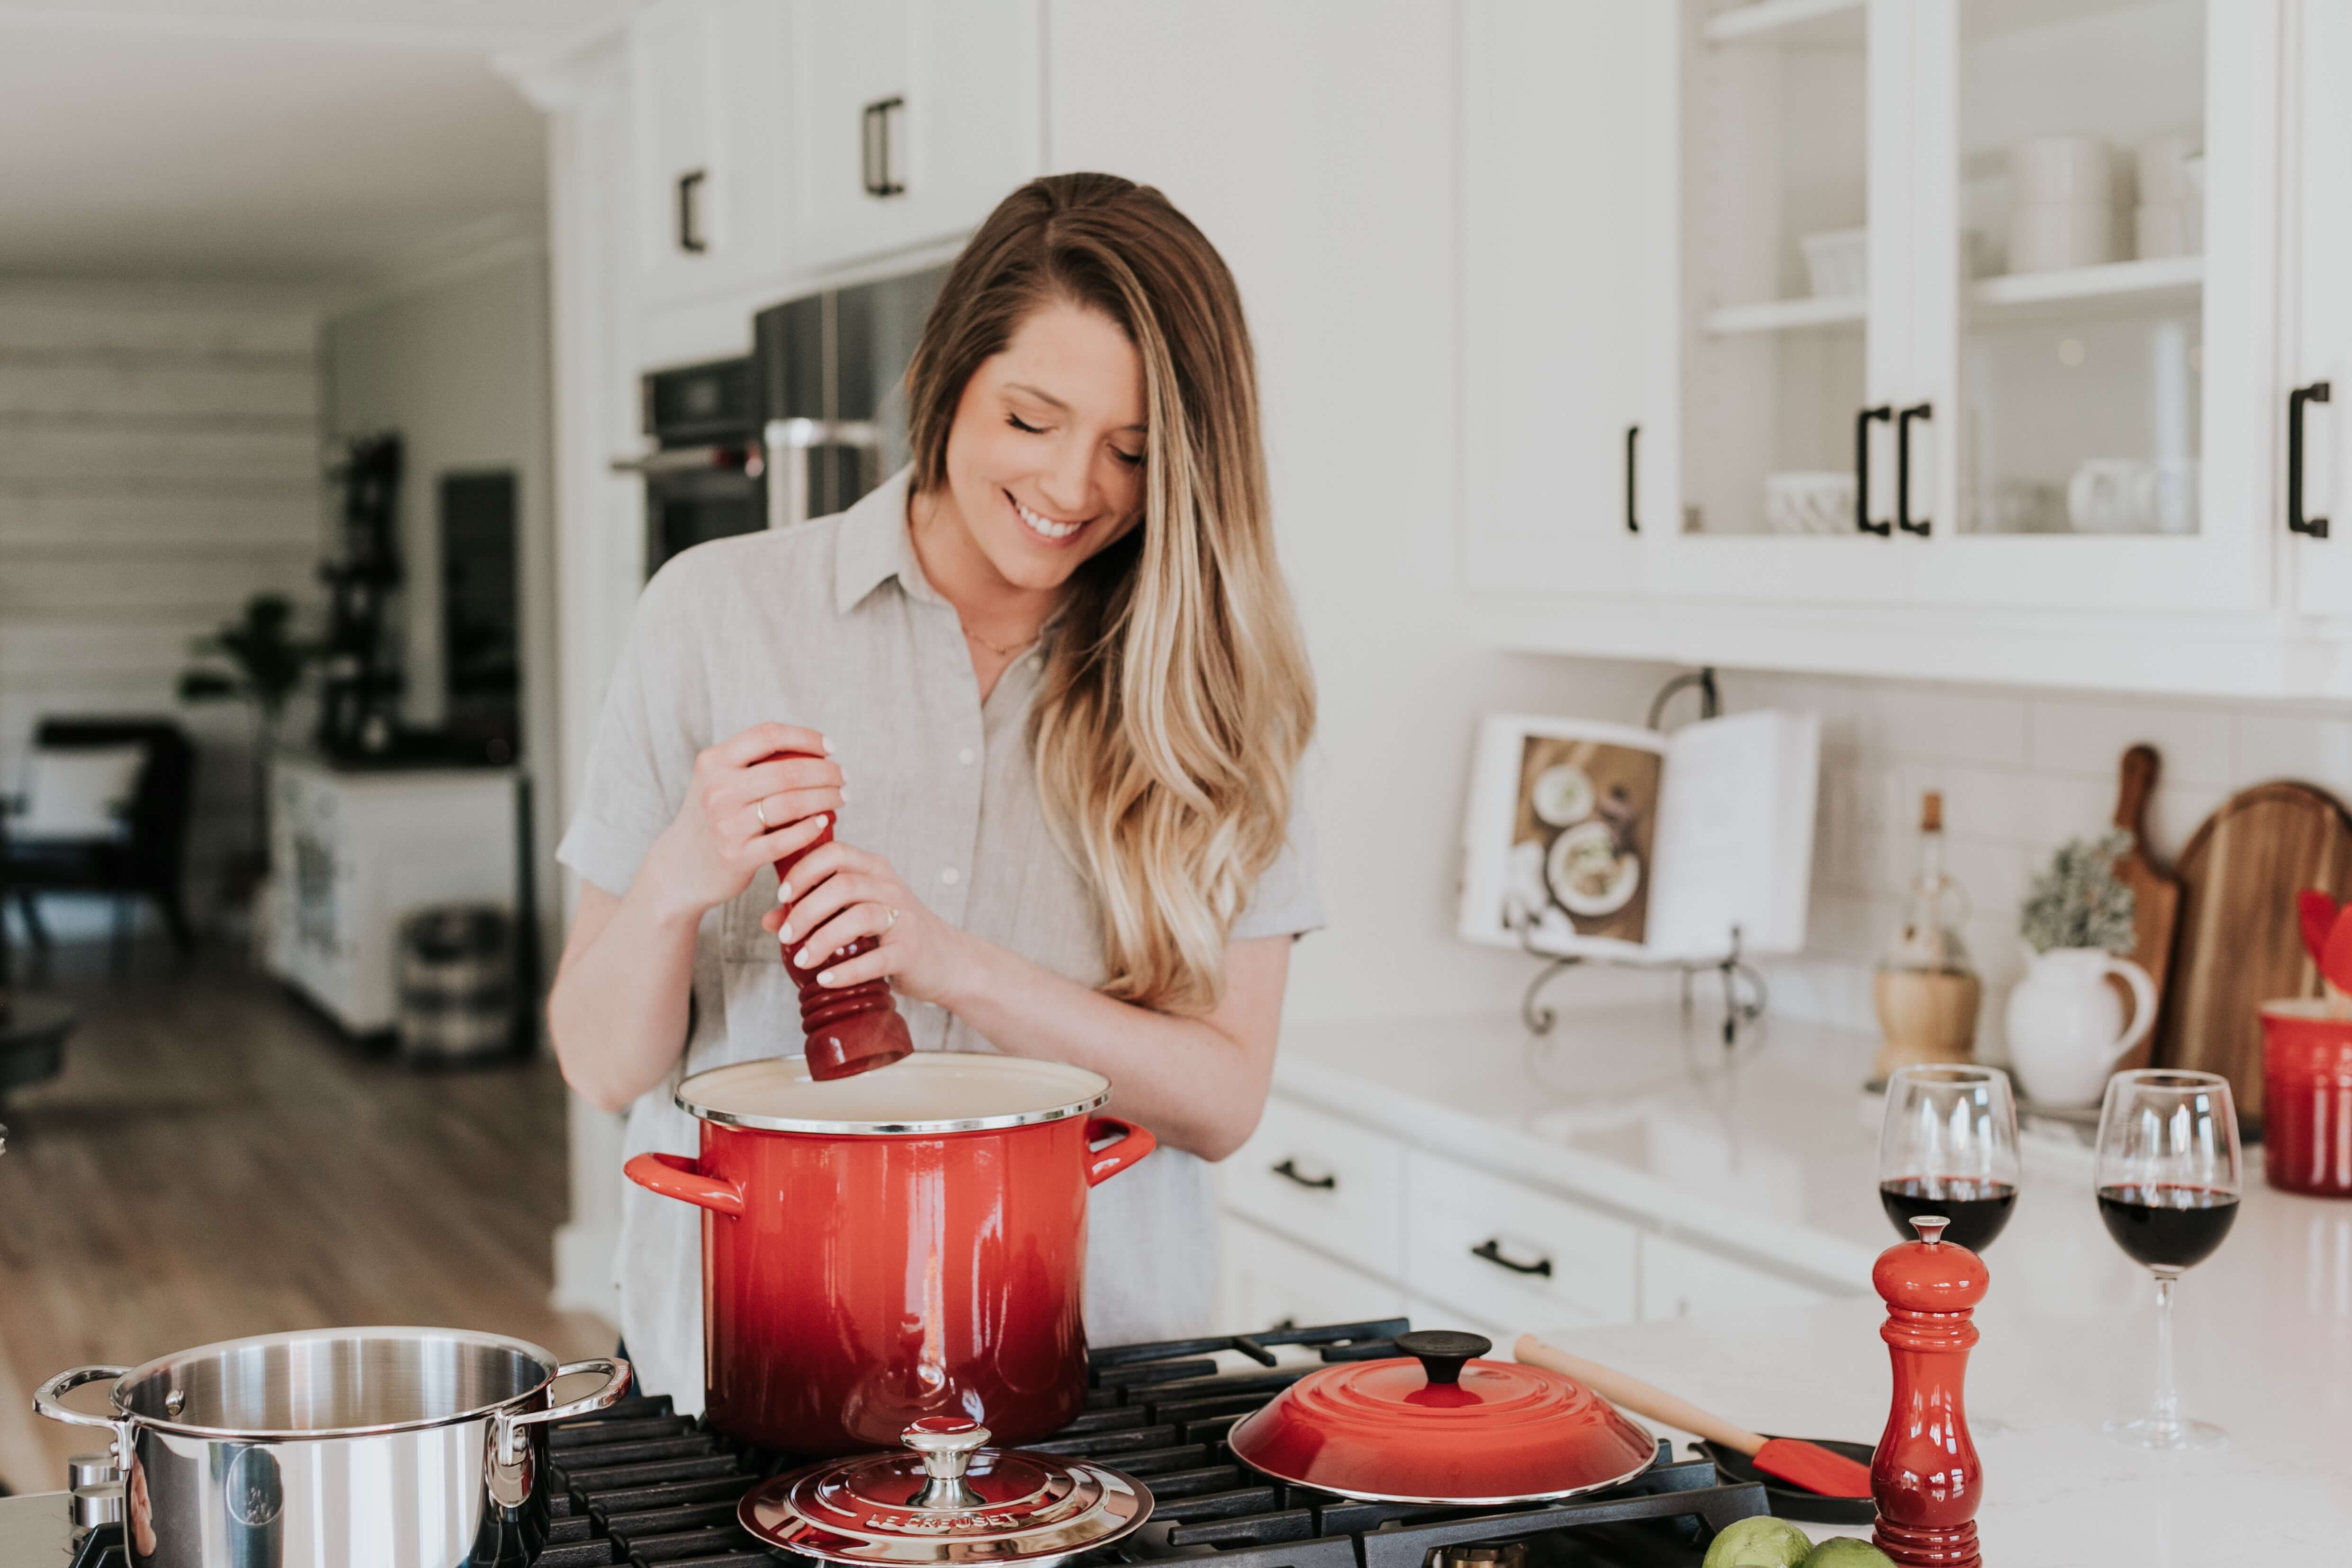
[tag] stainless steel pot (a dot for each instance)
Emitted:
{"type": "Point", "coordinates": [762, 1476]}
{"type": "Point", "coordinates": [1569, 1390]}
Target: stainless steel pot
{"type": "Point", "coordinates": [374, 1447]}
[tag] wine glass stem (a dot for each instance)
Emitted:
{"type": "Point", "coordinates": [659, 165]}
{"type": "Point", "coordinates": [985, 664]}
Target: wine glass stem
{"type": "Point", "coordinates": [2166, 1416]}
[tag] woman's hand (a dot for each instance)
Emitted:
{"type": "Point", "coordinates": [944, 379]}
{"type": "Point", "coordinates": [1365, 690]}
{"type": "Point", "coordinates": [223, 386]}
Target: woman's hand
{"type": "Point", "coordinates": [841, 893]}
{"type": "Point", "coordinates": [741, 812]}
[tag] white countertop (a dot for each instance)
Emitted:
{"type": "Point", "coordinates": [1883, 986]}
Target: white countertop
{"type": "Point", "coordinates": [1774, 1154]}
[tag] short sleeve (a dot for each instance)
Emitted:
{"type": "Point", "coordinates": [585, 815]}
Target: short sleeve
{"type": "Point", "coordinates": [1286, 902]}
{"type": "Point", "coordinates": [642, 758]}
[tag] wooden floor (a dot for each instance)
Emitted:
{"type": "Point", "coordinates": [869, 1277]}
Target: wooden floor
{"type": "Point", "coordinates": [217, 1161]}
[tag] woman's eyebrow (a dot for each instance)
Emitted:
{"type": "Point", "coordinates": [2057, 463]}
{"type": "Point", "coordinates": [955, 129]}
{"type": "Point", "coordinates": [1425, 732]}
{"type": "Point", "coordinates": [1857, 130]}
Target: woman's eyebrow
{"type": "Point", "coordinates": [1042, 395]}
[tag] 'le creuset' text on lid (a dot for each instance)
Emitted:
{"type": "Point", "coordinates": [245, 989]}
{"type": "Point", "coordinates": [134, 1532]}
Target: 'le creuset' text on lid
{"type": "Point", "coordinates": [945, 1497]}
{"type": "Point", "coordinates": [931, 1091]}
{"type": "Point", "coordinates": [1439, 1426]}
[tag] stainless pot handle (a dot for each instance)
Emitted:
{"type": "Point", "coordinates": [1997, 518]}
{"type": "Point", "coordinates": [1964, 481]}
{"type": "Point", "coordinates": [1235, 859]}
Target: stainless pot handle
{"type": "Point", "coordinates": [513, 1434]}
{"type": "Point", "coordinates": [48, 1398]}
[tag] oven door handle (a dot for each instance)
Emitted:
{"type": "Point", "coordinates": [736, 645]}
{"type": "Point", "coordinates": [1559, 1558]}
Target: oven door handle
{"type": "Point", "coordinates": [790, 439]}
{"type": "Point", "coordinates": [747, 457]}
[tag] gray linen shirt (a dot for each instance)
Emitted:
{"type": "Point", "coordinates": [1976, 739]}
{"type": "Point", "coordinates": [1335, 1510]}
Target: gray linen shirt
{"type": "Point", "coordinates": [831, 625]}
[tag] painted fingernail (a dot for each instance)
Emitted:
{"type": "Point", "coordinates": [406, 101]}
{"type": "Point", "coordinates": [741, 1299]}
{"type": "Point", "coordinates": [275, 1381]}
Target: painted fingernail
{"type": "Point", "coordinates": [828, 744]}
{"type": "Point", "coordinates": [807, 957]}
{"type": "Point", "coordinates": [783, 893]}
{"type": "Point", "coordinates": [845, 791]}
{"type": "Point", "coordinates": [825, 979]}
{"type": "Point", "coordinates": [784, 932]}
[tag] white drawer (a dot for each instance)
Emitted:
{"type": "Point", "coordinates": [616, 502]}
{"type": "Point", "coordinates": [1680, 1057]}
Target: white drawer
{"type": "Point", "coordinates": [1271, 1282]}
{"type": "Point", "coordinates": [1679, 1281]}
{"type": "Point", "coordinates": [1326, 1182]}
{"type": "Point", "coordinates": [1508, 1255]}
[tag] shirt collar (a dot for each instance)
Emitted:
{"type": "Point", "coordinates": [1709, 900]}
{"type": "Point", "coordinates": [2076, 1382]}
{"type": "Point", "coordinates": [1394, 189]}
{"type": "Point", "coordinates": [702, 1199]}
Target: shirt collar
{"type": "Point", "coordinates": [872, 544]}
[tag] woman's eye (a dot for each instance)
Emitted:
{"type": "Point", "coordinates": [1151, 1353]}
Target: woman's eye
{"type": "Point", "coordinates": [1016, 421]}
{"type": "Point", "coordinates": [1132, 459]}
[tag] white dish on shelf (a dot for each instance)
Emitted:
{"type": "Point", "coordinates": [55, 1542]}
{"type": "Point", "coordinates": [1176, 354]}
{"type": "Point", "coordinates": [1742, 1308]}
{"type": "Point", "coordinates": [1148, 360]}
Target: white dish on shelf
{"type": "Point", "coordinates": [2047, 238]}
{"type": "Point", "coordinates": [2061, 172]}
{"type": "Point", "coordinates": [1809, 503]}
{"type": "Point", "coordinates": [1838, 262]}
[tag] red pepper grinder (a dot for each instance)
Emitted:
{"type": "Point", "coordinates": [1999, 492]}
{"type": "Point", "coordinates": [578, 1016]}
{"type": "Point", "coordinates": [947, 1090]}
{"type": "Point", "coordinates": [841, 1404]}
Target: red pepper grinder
{"type": "Point", "coordinates": [1926, 1476]}
{"type": "Point", "coordinates": [848, 1029]}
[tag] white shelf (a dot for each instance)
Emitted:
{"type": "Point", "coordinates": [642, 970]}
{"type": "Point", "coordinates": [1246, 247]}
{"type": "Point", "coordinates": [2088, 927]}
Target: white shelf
{"type": "Point", "coordinates": [2128, 285]}
{"type": "Point", "coordinates": [1783, 314]}
{"type": "Point", "coordinates": [1761, 19]}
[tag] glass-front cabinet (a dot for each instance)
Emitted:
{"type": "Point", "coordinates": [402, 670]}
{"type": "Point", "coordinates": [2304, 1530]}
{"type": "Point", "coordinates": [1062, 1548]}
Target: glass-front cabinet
{"type": "Point", "coordinates": [1953, 325]}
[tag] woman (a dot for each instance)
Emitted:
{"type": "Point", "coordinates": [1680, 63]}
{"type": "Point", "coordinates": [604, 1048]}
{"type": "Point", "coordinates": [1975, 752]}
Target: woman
{"type": "Point", "coordinates": [1050, 678]}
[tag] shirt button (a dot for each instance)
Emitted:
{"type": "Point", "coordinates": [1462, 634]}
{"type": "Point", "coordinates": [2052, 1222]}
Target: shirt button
{"type": "Point", "coordinates": [964, 757]}
{"type": "Point", "coordinates": [952, 877]}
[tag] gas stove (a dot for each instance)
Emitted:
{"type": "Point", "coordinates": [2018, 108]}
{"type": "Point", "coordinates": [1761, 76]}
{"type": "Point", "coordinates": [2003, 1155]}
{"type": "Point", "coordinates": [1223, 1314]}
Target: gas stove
{"type": "Point", "coordinates": [641, 1485]}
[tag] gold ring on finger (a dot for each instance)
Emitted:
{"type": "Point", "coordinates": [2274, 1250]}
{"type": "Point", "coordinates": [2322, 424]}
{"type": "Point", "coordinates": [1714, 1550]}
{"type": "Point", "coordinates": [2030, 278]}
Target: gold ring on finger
{"type": "Point", "coordinates": [893, 914]}
{"type": "Point", "coordinates": [760, 810]}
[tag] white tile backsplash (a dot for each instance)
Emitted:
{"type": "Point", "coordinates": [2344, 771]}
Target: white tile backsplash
{"type": "Point", "coordinates": [2022, 771]}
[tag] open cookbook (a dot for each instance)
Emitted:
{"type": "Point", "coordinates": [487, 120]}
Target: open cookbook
{"type": "Point", "coordinates": [1594, 839]}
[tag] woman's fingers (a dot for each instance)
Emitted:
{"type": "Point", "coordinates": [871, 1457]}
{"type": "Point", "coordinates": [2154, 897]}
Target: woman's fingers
{"type": "Point", "coordinates": [827, 861]}
{"type": "Point", "coordinates": [809, 914]}
{"type": "Point", "coordinates": [771, 812]}
{"type": "Point", "coordinates": [782, 777]}
{"type": "Point", "coordinates": [867, 917]}
{"type": "Point", "coordinates": [882, 962]}
{"type": "Point", "coordinates": [752, 744]}
{"type": "Point", "coordinates": [790, 838]}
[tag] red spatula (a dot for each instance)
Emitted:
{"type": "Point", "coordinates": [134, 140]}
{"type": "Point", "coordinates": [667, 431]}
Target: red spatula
{"type": "Point", "coordinates": [1800, 1463]}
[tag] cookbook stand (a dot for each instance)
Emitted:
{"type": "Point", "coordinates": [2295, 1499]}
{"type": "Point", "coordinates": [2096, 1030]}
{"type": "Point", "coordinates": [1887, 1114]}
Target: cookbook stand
{"type": "Point", "coordinates": [1744, 992]}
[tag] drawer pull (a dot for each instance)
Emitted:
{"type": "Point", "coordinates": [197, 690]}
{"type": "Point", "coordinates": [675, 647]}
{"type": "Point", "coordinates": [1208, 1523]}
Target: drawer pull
{"type": "Point", "coordinates": [1491, 1249]}
{"type": "Point", "coordinates": [1288, 1170]}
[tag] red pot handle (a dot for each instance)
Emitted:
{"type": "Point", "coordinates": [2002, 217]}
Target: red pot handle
{"type": "Point", "coordinates": [1104, 1164]}
{"type": "Point", "coordinates": [678, 1177]}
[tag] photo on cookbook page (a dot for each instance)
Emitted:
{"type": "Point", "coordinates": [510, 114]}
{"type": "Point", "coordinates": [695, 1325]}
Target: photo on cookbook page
{"type": "Point", "coordinates": [1575, 845]}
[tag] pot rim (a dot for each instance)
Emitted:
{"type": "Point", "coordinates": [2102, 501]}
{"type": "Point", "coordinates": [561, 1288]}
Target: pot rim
{"type": "Point", "coordinates": [1503, 1501]}
{"type": "Point", "coordinates": [1097, 1096]}
{"type": "Point", "coordinates": [273, 1435]}
{"type": "Point", "coordinates": [2302, 1009]}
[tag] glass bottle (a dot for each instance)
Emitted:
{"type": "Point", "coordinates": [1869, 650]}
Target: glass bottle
{"type": "Point", "coordinates": [1926, 989]}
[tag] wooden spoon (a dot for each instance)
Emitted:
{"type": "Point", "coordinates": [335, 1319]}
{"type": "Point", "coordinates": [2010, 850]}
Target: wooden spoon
{"type": "Point", "coordinates": [1808, 1465]}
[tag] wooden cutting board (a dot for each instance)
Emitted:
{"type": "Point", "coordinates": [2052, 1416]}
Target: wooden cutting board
{"type": "Point", "coordinates": [2239, 944]}
{"type": "Point", "coordinates": [2156, 895]}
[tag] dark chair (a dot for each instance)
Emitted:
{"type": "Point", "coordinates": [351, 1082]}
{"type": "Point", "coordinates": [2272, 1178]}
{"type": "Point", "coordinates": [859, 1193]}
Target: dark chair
{"type": "Point", "coordinates": [144, 860]}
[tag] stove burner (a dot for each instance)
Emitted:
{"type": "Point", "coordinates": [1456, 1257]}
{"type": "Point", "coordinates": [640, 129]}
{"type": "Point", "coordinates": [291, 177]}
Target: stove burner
{"type": "Point", "coordinates": [641, 1484]}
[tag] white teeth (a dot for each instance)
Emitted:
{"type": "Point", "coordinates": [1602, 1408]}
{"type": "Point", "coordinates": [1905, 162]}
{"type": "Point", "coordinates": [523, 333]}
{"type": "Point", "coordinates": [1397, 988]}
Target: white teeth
{"type": "Point", "coordinates": [1047, 526]}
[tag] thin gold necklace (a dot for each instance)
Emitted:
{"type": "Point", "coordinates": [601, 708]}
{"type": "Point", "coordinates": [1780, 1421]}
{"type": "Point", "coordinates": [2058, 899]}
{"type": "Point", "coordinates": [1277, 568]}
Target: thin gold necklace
{"type": "Point", "coordinates": [1002, 650]}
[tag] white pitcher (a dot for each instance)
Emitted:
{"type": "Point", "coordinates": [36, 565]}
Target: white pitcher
{"type": "Point", "coordinates": [2066, 1027]}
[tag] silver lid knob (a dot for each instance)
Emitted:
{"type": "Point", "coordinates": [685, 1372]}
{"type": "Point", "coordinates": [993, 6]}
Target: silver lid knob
{"type": "Point", "coordinates": [947, 1444]}
{"type": "Point", "coordinates": [90, 1471]}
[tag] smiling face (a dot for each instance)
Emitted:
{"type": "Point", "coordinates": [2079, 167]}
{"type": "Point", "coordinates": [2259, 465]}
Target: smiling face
{"type": "Point", "coordinates": [1045, 459]}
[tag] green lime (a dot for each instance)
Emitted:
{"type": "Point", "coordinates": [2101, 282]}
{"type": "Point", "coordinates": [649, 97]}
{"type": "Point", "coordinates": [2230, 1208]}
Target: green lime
{"type": "Point", "coordinates": [1846, 1552]}
{"type": "Point", "coordinates": [1759, 1542]}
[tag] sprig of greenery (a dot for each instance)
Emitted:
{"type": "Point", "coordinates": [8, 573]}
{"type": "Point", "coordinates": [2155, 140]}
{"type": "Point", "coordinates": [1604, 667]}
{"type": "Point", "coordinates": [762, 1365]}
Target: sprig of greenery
{"type": "Point", "coordinates": [2078, 901]}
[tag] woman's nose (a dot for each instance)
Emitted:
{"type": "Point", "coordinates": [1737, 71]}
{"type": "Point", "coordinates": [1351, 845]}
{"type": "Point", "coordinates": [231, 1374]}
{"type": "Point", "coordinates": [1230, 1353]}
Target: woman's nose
{"type": "Point", "coordinates": [1065, 486]}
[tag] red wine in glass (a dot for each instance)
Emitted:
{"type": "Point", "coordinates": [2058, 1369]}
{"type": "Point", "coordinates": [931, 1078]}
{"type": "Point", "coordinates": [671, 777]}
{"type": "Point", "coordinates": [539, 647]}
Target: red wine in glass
{"type": "Point", "coordinates": [2168, 1226]}
{"type": "Point", "coordinates": [1978, 1210]}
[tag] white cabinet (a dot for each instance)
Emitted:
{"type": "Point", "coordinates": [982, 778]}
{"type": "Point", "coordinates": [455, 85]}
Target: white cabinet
{"type": "Point", "coordinates": [1272, 1281]}
{"type": "Point", "coordinates": [1929, 379]}
{"type": "Point", "coordinates": [1504, 1253]}
{"type": "Point", "coordinates": [1680, 1280]}
{"type": "Point", "coordinates": [2316, 438]}
{"type": "Point", "coordinates": [354, 853]}
{"type": "Point", "coordinates": [911, 119]}
{"type": "Point", "coordinates": [711, 176]}
{"type": "Point", "coordinates": [1324, 1180]}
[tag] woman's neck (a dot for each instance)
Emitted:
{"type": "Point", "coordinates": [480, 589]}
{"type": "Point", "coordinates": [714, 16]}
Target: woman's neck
{"type": "Point", "coordinates": [1001, 614]}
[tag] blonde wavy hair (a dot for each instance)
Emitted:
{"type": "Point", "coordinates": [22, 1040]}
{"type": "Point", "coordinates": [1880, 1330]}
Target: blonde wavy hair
{"type": "Point", "coordinates": [1177, 699]}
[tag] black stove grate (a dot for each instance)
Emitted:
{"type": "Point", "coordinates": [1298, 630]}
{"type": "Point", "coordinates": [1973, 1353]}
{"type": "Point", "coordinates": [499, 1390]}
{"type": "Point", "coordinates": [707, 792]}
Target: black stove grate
{"type": "Point", "coordinates": [641, 1485]}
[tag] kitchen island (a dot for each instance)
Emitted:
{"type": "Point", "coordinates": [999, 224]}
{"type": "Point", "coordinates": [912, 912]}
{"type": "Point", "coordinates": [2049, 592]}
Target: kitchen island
{"type": "Point", "coordinates": [1769, 1152]}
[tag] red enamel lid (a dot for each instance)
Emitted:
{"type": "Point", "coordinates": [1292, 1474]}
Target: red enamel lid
{"type": "Point", "coordinates": [1438, 1425]}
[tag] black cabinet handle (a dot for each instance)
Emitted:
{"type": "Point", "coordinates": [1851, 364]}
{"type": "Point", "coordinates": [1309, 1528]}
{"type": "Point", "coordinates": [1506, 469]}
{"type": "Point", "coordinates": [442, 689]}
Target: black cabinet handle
{"type": "Point", "coordinates": [689, 213]}
{"type": "Point", "coordinates": [1632, 517]}
{"type": "Point", "coordinates": [1861, 470]}
{"type": "Point", "coordinates": [1922, 411]}
{"type": "Point", "coordinates": [1491, 1249]}
{"type": "Point", "coordinates": [1288, 1170]}
{"type": "Point", "coordinates": [873, 148]}
{"type": "Point", "coordinates": [2316, 527]}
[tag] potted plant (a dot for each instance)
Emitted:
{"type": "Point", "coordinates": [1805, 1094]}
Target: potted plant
{"type": "Point", "coordinates": [264, 665]}
{"type": "Point", "coordinates": [2066, 1026]}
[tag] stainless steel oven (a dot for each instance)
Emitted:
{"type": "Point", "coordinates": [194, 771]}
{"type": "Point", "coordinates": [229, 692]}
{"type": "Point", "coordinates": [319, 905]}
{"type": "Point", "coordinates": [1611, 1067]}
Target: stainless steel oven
{"type": "Point", "coordinates": [703, 478]}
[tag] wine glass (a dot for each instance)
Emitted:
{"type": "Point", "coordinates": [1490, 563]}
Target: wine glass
{"type": "Point", "coordinates": [2169, 1184]}
{"type": "Point", "coordinates": [1948, 1146]}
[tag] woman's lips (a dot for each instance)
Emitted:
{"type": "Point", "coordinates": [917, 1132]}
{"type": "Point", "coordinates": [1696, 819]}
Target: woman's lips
{"type": "Point", "coordinates": [1045, 529]}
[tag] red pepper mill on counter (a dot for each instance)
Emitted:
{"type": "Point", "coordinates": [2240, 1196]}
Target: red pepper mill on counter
{"type": "Point", "coordinates": [849, 1029]}
{"type": "Point", "coordinates": [1925, 1478]}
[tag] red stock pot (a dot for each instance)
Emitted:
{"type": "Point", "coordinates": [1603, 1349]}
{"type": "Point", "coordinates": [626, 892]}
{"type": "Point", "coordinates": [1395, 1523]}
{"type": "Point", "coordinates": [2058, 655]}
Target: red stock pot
{"type": "Point", "coordinates": [896, 1246]}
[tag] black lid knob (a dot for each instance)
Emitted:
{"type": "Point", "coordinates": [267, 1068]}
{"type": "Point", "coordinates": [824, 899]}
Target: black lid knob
{"type": "Point", "coordinates": [1442, 1351]}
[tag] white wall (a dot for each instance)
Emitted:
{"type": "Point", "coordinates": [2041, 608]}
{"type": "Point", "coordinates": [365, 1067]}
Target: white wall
{"type": "Point", "coordinates": [158, 468]}
{"type": "Point", "coordinates": [1322, 160]}
{"type": "Point", "coordinates": [460, 368]}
